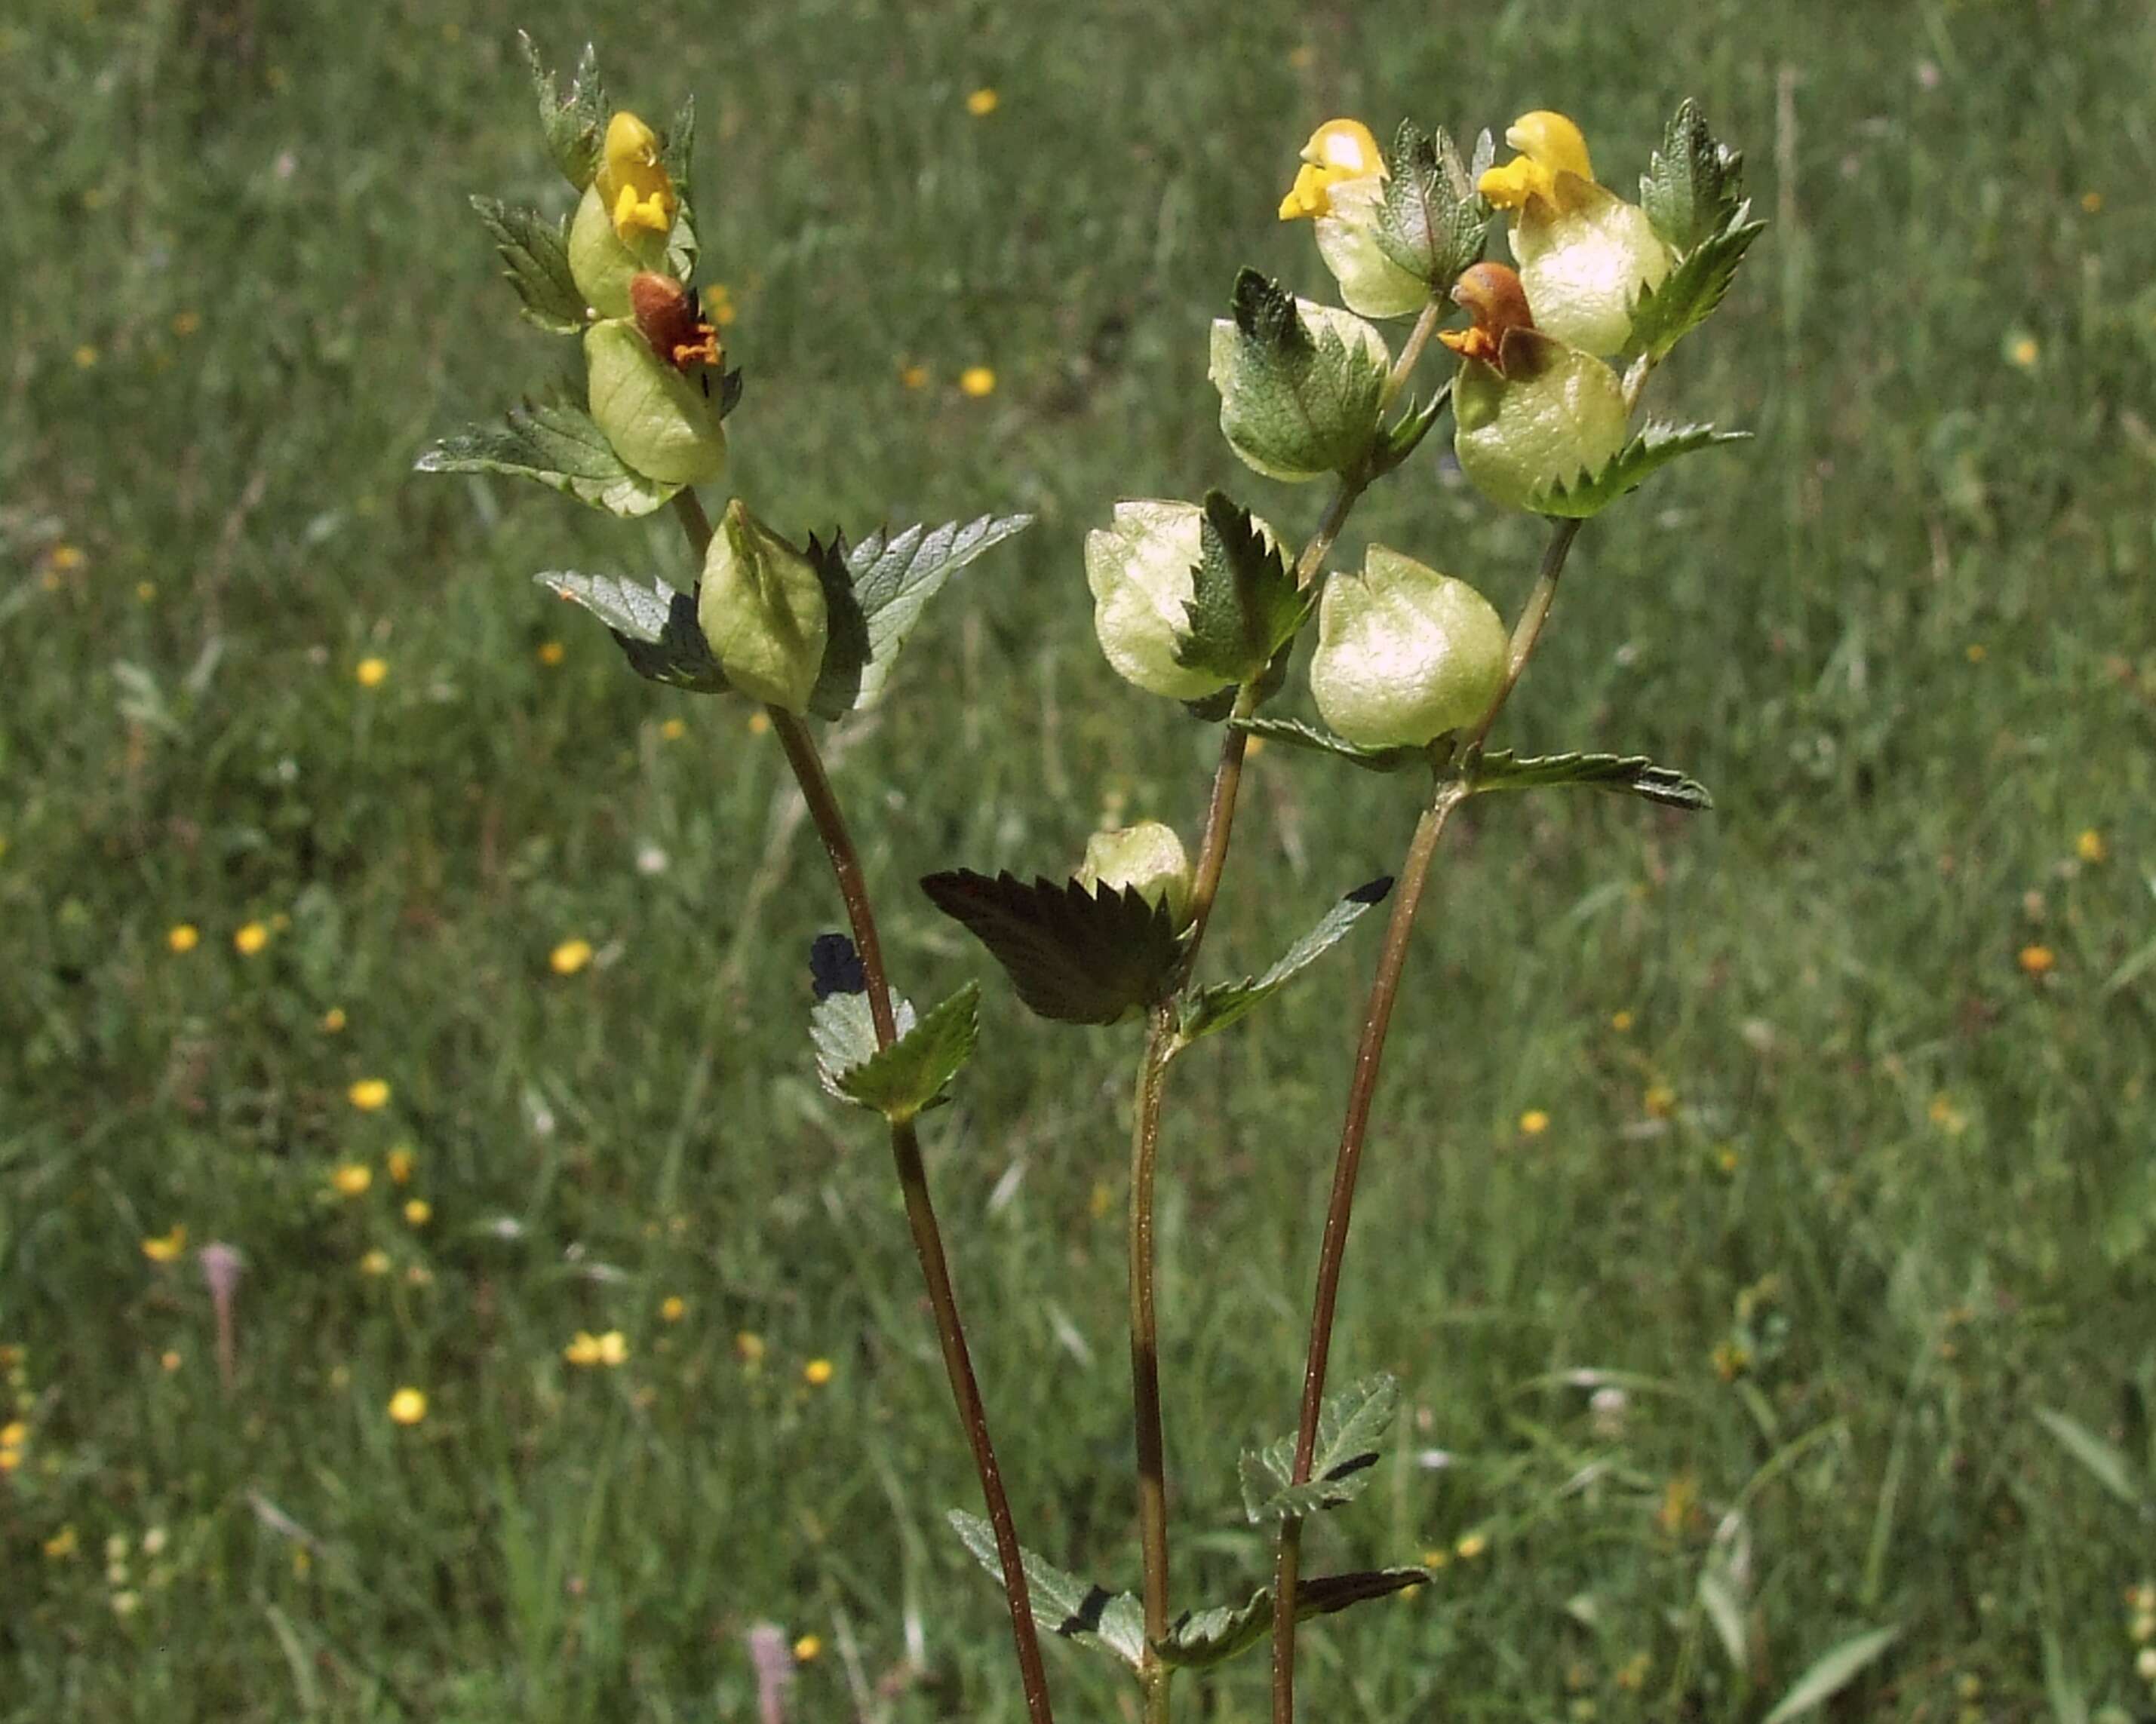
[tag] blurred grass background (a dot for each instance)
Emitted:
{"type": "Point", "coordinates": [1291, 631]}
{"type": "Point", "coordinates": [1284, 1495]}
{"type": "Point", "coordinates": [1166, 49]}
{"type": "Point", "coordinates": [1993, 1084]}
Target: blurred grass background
{"type": "Point", "coordinates": [1840, 1183]}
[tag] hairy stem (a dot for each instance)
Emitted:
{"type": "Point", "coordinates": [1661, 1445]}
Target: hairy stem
{"type": "Point", "coordinates": [831, 823]}
{"type": "Point", "coordinates": [1362, 1092]}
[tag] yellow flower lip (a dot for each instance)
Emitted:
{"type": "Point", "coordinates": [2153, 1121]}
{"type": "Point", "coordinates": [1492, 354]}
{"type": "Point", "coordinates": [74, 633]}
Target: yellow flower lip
{"type": "Point", "coordinates": [638, 193]}
{"type": "Point", "coordinates": [1551, 148]}
{"type": "Point", "coordinates": [1338, 149]}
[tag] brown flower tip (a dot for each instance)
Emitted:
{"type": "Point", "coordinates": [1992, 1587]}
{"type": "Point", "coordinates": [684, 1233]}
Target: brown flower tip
{"type": "Point", "coordinates": [1492, 295]}
{"type": "Point", "coordinates": [671, 322]}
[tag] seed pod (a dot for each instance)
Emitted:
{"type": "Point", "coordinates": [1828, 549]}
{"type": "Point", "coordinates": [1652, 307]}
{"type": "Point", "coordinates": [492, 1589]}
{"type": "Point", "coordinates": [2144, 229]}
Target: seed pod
{"type": "Point", "coordinates": [660, 422]}
{"type": "Point", "coordinates": [1552, 414]}
{"type": "Point", "coordinates": [1300, 383]}
{"type": "Point", "coordinates": [762, 610]}
{"type": "Point", "coordinates": [1140, 570]}
{"type": "Point", "coordinates": [1147, 856]}
{"type": "Point", "coordinates": [1404, 653]}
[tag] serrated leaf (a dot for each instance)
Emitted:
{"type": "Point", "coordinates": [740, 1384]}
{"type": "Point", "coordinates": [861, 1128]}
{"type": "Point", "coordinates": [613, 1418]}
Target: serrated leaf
{"type": "Point", "coordinates": [1693, 184]}
{"type": "Point", "coordinates": [676, 150]}
{"type": "Point", "coordinates": [1432, 222]}
{"type": "Point", "coordinates": [1398, 440]}
{"type": "Point", "coordinates": [875, 592]}
{"type": "Point", "coordinates": [1216, 1008]}
{"type": "Point", "coordinates": [1655, 446]}
{"type": "Point", "coordinates": [2099, 1458]}
{"type": "Point", "coordinates": [534, 256]}
{"type": "Point", "coordinates": [1350, 1429]}
{"type": "Point", "coordinates": [1298, 399]}
{"type": "Point", "coordinates": [1830, 1674]}
{"type": "Point", "coordinates": [655, 626]}
{"type": "Point", "coordinates": [574, 125]}
{"type": "Point", "coordinates": [1077, 1610]}
{"type": "Point", "coordinates": [1627, 774]}
{"type": "Point", "coordinates": [1198, 1639]}
{"type": "Point", "coordinates": [1662, 316]}
{"type": "Point", "coordinates": [841, 1028]}
{"type": "Point", "coordinates": [1245, 605]}
{"type": "Point", "coordinates": [1075, 955]}
{"type": "Point", "coordinates": [909, 1076]}
{"type": "Point", "coordinates": [558, 444]}
{"type": "Point", "coordinates": [1296, 734]}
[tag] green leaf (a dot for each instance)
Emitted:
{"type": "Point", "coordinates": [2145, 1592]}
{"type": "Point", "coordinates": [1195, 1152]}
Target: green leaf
{"type": "Point", "coordinates": [875, 592]}
{"type": "Point", "coordinates": [1655, 445]}
{"type": "Point", "coordinates": [1299, 383]}
{"type": "Point", "coordinates": [841, 1028]}
{"type": "Point", "coordinates": [1693, 184]}
{"type": "Point", "coordinates": [2104, 1463]}
{"type": "Point", "coordinates": [1832, 1673]}
{"type": "Point", "coordinates": [1216, 1008]}
{"type": "Point", "coordinates": [1628, 774]}
{"type": "Point", "coordinates": [1199, 1638]}
{"type": "Point", "coordinates": [1351, 1427]}
{"type": "Point", "coordinates": [558, 444]}
{"type": "Point", "coordinates": [677, 147]}
{"type": "Point", "coordinates": [1433, 223]}
{"type": "Point", "coordinates": [1663, 316]}
{"type": "Point", "coordinates": [534, 253]}
{"type": "Point", "coordinates": [1295, 734]}
{"type": "Point", "coordinates": [1075, 955]}
{"type": "Point", "coordinates": [575, 125]}
{"type": "Point", "coordinates": [655, 626]}
{"type": "Point", "coordinates": [909, 1076]}
{"type": "Point", "coordinates": [1245, 605]}
{"type": "Point", "coordinates": [1398, 440]}
{"type": "Point", "coordinates": [1108, 1622]}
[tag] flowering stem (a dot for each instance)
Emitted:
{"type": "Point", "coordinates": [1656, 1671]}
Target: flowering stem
{"type": "Point", "coordinates": [1370, 1054]}
{"type": "Point", "coordinates": [1145, 1348]}
{"type": "Point", "coordinates": [831, 823]}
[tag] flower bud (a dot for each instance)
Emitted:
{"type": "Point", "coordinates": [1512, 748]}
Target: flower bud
{"type": "Point", "coordinates": [623, 222]}
{"type": "Point", "coordinates": [1148, 857]}
{"type": "Point", "coordinates": [762, 608]}
{"type": "Point", "coordinates": [1300, 383]}
{"type": "Point", "coordinates": [660, 421]}
{"type": "Point", "coordinates": [1584, 253]}
{"type": "Point", "coordinates": [1404, 653]}
{"type": "Point", "coordinates": [1141, 572]}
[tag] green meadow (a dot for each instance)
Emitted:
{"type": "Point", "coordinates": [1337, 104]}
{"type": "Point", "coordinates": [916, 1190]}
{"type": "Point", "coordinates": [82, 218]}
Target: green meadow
{"type": "Point", "coordinates": [1816, 1132]}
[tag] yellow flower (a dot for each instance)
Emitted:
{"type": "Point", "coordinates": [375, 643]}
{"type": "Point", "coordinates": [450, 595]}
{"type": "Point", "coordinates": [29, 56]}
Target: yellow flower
{"type": "Point", "coordinates": [2092, 202]}
{"type": "Point", "coordinates": [167, 1248]}
{"type": "Point", "coordinates": [184, 937]}
{"type": "Point", "coordinates": [62, 1544]}
{"type": "Point", "coordinates": [371, 672]}
{"type": "Point", "coordinates": [759, 721]}
{"type": "Point", "coordinates": [333, 1020]}
{"type": "Point", "coordinates": [1661, 1101]}
{"type": "Point", "coordinates": [14, 1435]}
{"type": "Point", "coordinates": [552, 653]}
{"type": "Point", "coordinates": [86, 355]}
{"type": "Point", "coordinates": [2037, 960]}
{"type": "Point", "coordinates": [400, 1162]}
{"type": "Point", "coordinates": [638, 194]}
{"type": "Point", "coordinates": [407, 1406]}
{"type": "Point", "coordinates": [2022, 351]}
{"type": "Point", "coordinates": [1977, 652]}
{"type": "Point", "coordinates": [169, 1360]}
{"type": "Point", "coordinates": [368, 1094]}
{"type": "Point", "coordinates": [570, 957]}
{"type": "Point", "coordinates": [250, 939]}
{"type": "Point", "coordinates": [976, 381]}
{"type": "Point", "coordinates": [1550, 146]}
{"type": "Point", "coordinates": [352, 1179]}
{"type": "Point", "coordinates": [674, 730]}
{"type": "Point", "coordinates": [817, 1372]}
{"type": "Point", "coordinates": [375, 1263]}
{"type": "Point", "coordinates": [1338, 149]}
{"type": "Point", "coordinates": [1533, 1122]}
{"type": "Point", "coordinates": [68, 558]}
{"type": "Point", "coordinates": [749, 1345]}
{"type": "Point", "coordinates": [982, 103]}
{"type": "Point", "coordinates": [1472, 1547]}
{"type": "Point", "coordinates": [418, 1212]}
{"type": "Point", "coordinates": [717, 299]}
{"type": "Point", "coordinates": [672, 1308]}
{"type": "Point", "coordinates": [1620, 1021]}
{"type": "Point", "coordinates": [914, 377]}
{"type": "Point", "coordinates": [2091, 847]}
{"type": "Point", "coordinates": [10, 1458]}
{"type": "Point", "coordinates": [807, 1649]}
{"type": "Point", "coordinates": [611, 1348]}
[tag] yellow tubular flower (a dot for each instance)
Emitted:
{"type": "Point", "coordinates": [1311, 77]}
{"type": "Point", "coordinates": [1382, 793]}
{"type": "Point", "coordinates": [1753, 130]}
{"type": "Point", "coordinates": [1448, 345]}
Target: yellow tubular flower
{"type": "Point", "coordinates": [1550, 146]}
{"type": "Point", "coordinates": [1338, 149]}
{"type": "Point", "coordinates": [638, 194]}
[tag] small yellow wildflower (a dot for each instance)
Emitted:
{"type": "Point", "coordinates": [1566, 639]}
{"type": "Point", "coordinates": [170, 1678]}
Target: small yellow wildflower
{"type": "Point", "coordinates": [717, 299]}
{"type": "Point", "coordinates": [169, 1360]}
{"type": "Point", "coordinates": [185, 323]}
{"type": "Point", "coordinates": [639, 196]}
{"type": "Point", "coordinates": [611, 1348]}
{"type": "Point", "coordinates": [86, 355]}
{"type": "Point", "coordinates": [184, 937]}
{"type": "Point", "coordinates": [10, 1458]}
{"type": "Point", "coordinates": [2022, 351]}
{"type": "Point", "coordinates": [400, 1162]}
{"type": "Point", "coordinates": [1727, 1161]}
{"type": "Point", "coordinates": [352, 1179]}
{"type": "Point", "coordinates": [1661, 1101]}
{"type": "Point", "coordinates": [570, 957]}
{"type": "Point", "coordinates": [672, 1308]}
{"type": "Point", "coordinates": [759, 722]}
{"type": "Point", "coordinates": [807, 1649]}
{"type": "Point", "coordinates": [983, 102]}
{"type": "Point", "coordinates": [2092, 202]}
{"type": "Point", "coordinates": [375, 1262]}
{"type": "Point", "coordinates": [748, 1345]}
{"type": "Point", "coordinates": [1620, 1022]}
{"type": "Point", "coordinates": [1551, 147]}
{"type": "Point", "coordinates": [407, 1406]}
{"type": "Point", "coordinates": [2092, 849]}
{"type": "Point", "coordinates": [167, 1247]}
{"type": "Point", "coordinates": [372, 673]}
{"type": "Point", "coordinates": [1533, 1122]}
{"type": "Point", "coordinates": [250, 939]}
{"type": "Point", "coordinates": [368, 1094]}
{"type": "Point", "coordinates": [2037, 960]}
{"type": "Point", "coordinates": [1338, 149]}
{"type": "Point", "coordinates": [333, 1020]}
{"type": "Point", "coordinates": [674, 730]}
{"type": "Point", "coordinates": [1977, 652]}
{"type": "Point", "coordinates": [62, 1545]}
{"type": "Point", "coordinates": [552, 653]}
{"type": "Point", "coordinates": [68, 558]}
{"type": "Point", "coordinates": [1471, 1545]}
{"type": "Point", "coordinates": [14, 1434]}
{"type": "Point", "coordinates": [1437, 1558]}
{"type": "Point", "coordinates": [976, 381]}
{"type": "Point", "coordinates": [914, 377]}
{"type": "Point", "coordinates": [418, 1212]}
{"type": "Point", "coordinates": [817, 1372]}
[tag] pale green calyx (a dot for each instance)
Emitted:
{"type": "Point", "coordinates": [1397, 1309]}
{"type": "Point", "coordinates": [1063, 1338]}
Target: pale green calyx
{"type": "Point", "coordinates": [762, 608]}
{"type": "Point", "coordinates": [602, 263]}
{"type": "Point", "coordinates": [1300, 383]}
{"type": "Point", "coordinates": [1404, 653]}
{"type": "Point", "coordinates": [660, 420]}
{"type": "Point", "coordinates": [1141, 570]}
{"type": "Point", "coordinates": [1585, 267]}
{"type": "Point", "coordinates": [1552, 414]}
{"type": "Point", "coordinates": [1148, 857]}
{"type": "Point", "coordinates": [1348, 239]}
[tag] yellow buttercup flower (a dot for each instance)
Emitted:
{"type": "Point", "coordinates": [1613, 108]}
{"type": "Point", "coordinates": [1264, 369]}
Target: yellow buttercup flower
{"type": "Point", "coordinates": [638, 195]}
{"type": "Point", "coordinates": [368, 1094]}
{"type": "Point", "coordinates": [165, 1247]}
{"type": "Point", "coordinates": [570, 957]}
{"type": "Point", "coordinates": [1338, 149]}
{"type": "Point", "coordinates": [400, 1162]}
{"type": "Point", "coordinates": [352, 1179]}
{"type": "Point", "coordinates": [611, 1348]}
{"type": "Point", "coordinates": [407, 1406]}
